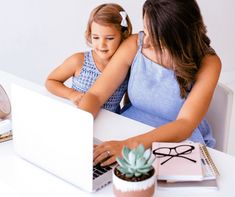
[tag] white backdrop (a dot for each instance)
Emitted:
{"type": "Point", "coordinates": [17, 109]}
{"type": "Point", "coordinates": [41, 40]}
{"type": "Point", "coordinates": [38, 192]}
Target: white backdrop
{"type": "Point", "coordinates": [37, 35]}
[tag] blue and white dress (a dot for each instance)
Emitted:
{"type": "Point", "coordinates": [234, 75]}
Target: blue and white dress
{"type": "Point", "coordinates": [88, 75]}
{"type": "Point", "coordinates": [155, 96]}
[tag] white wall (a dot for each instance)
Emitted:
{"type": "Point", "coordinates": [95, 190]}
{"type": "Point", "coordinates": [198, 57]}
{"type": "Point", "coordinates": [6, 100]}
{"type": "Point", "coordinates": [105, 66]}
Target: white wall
{"type": "Point", "coordinates": [37, 35]}
{"type": "Point", "coordinates": [219, 17]}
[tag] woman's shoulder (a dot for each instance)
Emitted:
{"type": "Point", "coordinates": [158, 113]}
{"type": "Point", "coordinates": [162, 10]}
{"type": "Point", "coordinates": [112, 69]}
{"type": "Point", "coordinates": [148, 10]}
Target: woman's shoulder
{"type": "Point", "coordinates": [210, 69]}
{"type": "Point", "coordinates": [212, 61]}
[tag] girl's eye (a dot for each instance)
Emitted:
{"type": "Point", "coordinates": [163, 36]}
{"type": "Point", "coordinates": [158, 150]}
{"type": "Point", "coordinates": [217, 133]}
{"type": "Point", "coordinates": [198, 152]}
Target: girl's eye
{"type": "Point", "coordinates": [95, 37]}
{"type": "Point", "coordinates": [110, 38]}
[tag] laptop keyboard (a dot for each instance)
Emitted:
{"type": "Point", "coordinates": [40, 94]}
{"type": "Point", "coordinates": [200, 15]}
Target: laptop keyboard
{"type": "Point", "coordinates": [98, 170]}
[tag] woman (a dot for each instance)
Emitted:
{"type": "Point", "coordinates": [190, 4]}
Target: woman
{"type": "Point", "coordinates": [174, 72]}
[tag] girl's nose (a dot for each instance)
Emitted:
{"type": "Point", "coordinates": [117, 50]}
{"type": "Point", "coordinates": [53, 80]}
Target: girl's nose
{"type": "Point", "coordinates": [102, 43]}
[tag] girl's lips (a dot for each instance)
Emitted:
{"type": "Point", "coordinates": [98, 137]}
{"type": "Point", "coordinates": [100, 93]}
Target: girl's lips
{"type": "Point", "coordinates": [103, 51]}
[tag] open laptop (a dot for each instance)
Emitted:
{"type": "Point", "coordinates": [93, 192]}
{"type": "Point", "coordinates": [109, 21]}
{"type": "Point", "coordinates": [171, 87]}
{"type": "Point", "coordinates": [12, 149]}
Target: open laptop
{"type": "Point", "coordinates": [53, 134]}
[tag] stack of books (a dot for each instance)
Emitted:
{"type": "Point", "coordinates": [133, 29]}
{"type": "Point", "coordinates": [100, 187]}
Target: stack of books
{"type": "Point", "coordinates": [5, 130]}
{"type": "Point", "coordinates": [184, 165]}
{"type": "Point", "coordinates": [5, 120]}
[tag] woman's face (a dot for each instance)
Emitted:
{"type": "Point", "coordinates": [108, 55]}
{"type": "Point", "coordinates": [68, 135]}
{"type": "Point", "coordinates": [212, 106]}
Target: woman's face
{"type": "Point", "coordinates": [147, 42]}
{"type": "Point", "coordinates": [105, 40]}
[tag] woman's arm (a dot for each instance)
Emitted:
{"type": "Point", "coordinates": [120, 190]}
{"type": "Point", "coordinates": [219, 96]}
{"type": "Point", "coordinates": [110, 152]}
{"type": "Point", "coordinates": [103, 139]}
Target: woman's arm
{"type": "Point", "coordinates": [111, 78]}
{"type": "Point", "coordinates": [190, 115]}
{"type": "Point", "coordinates": [55, 80]}
{"type": "Point", "coordinates": [194, 108]}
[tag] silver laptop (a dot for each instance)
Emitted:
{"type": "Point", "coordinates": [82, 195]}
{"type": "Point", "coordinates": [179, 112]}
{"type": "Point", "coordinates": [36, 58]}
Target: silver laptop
{"type": "Point", "coordinates": [56, 136]}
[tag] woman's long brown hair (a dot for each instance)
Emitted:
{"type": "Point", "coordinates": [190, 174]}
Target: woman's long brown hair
{"type": "Point", "coordinates": [177, 26]}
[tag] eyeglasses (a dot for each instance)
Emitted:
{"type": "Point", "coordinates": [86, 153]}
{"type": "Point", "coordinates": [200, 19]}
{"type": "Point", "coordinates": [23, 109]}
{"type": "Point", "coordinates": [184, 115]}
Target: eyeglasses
{"type": "Point", "coordinates": [171, 152]}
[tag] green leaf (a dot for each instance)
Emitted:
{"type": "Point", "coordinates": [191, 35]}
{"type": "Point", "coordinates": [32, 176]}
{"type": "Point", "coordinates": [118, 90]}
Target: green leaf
{"type": "Point", "coordinates": [129, 175]}
{"type": "Point", "coordinates": [132, 158]}
{"type": "Point", "coordinates": [146, 166]}
{"type": "Point", "coordinates": [143, 171]}
{"type": "Point", "coordinates": [151, 160]}
{"type": "Point", "coordinates": [122, 170]}
{"type": "Point", "coordinates": [121, 162]}
{"type": "Point", "coordinates": [140, 162]}
{"type": "Point", "coordinates": [125, 153]}
{"type": "Point", "coordinates": [137, 174]}
{"type": "Point", "coordinates": [139, 151]}
{"type": "Point", "coordinates": [147, 154]}
{"type": "Point", "coordinates": [131, 170]}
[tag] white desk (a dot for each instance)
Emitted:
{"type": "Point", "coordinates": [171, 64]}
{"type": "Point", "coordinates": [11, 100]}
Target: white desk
{"type": "Point", "coordinates": [20, 178]}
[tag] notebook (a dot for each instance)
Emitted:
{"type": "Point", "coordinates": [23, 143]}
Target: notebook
{"type": "Point", "coordinates": [5, 126]}
{"type": "Point", "coordinates": [177, 161]}
{"type": "Point", "coordinates": [210, 171]}
{"type": "Point", "coordinates": [56, 136]}
{"type": "Point", "coordinates": [5, 130]}
{"type": "Point", "coordinates": [189, 185]}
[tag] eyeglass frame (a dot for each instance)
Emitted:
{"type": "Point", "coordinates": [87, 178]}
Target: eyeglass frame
{"type": "Point", "coordinates": [188, 151]}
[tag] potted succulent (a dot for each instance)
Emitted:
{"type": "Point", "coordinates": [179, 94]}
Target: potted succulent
{"type": "Point", "coordinates": [134, 176]}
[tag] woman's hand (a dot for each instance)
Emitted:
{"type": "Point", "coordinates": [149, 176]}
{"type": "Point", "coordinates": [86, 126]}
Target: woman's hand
{"type": "Point", "coordinates": [106, 153]}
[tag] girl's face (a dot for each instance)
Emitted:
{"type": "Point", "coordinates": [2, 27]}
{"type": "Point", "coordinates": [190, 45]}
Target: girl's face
{"type": "Point", "coordinates": [105, 40]}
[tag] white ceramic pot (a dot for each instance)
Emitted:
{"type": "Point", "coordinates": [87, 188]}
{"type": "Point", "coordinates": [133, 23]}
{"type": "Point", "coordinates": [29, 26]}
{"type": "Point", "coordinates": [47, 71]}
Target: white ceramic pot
{"type": "Point", "coordinates": [123, 188]}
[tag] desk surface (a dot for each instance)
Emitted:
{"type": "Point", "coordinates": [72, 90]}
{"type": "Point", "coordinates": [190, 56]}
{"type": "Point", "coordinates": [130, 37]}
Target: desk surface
{"type": "Point", "coordinates": [20, 178]}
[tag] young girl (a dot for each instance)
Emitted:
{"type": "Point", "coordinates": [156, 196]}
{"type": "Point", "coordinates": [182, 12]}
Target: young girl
{"type": "Point", "coordinates": [107, 27]}
{"type": "Point", "coordinates": [174, 72]}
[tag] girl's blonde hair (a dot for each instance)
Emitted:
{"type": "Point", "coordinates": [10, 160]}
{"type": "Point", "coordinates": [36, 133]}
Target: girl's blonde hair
{"type": "Point", "coordinates": [108, 14]}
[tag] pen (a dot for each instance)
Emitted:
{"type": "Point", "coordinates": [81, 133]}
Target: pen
{"type": "Point", "coordinates": [206, 168]}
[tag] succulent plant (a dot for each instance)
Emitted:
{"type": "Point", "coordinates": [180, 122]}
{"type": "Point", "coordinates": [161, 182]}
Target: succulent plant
{"type": "Point", "coordinates": [135, 162]}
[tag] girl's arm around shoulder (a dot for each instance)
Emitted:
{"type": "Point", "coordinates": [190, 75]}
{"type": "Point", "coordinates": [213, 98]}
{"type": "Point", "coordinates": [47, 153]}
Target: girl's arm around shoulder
{"type": "Point", "coordinates": [111, 78]}
{"type": "Point", "coordinates": [70, 67]}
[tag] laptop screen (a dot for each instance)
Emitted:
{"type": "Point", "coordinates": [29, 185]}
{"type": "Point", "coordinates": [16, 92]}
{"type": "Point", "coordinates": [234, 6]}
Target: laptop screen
{"type": "Point", "coordinates": [53, 134]}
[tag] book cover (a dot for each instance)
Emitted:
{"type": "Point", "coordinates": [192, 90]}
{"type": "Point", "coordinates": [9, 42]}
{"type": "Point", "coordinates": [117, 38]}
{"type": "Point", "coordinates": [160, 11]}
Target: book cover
{"type": "Point", "coordinates": [177, 161]}
{"type": "Point", "coordinates": [189, 185]}
{"type": "Point", "coordinates": [5, 130]}
{"type": "Point", "coordinates": [5, 126]}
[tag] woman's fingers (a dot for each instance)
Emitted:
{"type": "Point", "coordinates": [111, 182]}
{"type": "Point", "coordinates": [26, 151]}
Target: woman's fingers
{"type": "Point", "coordinates": [107, 152]}
{"type": "Point", "coordinates": [98, 150]}
{"type": "Point", "coordinates": [109, 161]}
{"type": "Point", "coordinates": [102, 157]}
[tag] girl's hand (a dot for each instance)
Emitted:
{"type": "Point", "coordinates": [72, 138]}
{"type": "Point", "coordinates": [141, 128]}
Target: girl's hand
{"type": "Point", "coordinates": [106, 153]}
{"type": "Point", "coordinates": [76, 96]}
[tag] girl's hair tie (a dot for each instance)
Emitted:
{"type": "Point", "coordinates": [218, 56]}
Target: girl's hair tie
{"type": "Point", "coordinates": [124, 21]}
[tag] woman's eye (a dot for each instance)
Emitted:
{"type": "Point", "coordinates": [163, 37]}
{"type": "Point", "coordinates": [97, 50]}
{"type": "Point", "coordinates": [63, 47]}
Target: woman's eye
{"type": "Point", "coordinates": [95, 37]}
